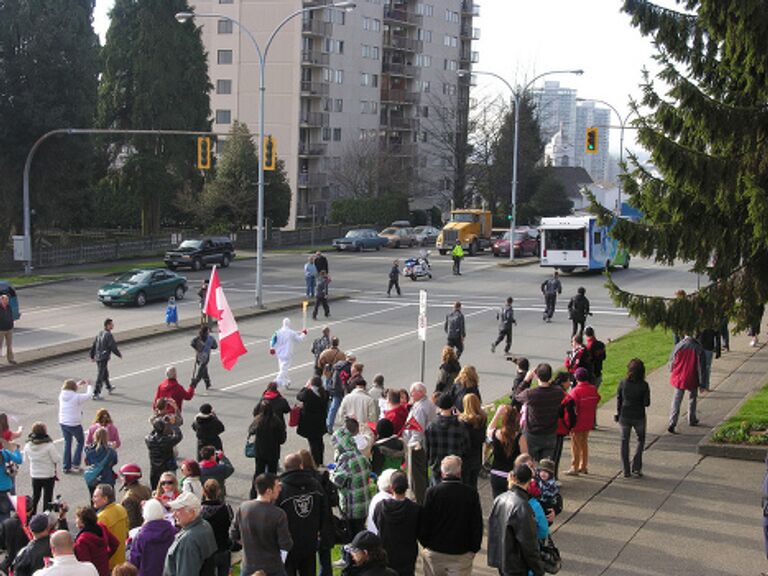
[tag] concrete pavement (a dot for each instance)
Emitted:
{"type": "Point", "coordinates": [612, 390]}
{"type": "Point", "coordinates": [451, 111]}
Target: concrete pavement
{"type": "Point", "coordinates": [689, 514]}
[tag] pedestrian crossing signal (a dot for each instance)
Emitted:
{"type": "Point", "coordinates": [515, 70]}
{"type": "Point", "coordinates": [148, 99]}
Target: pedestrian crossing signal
{"type": "Point", "coordinates": [269, 155]}
{"type": "Point", "coordinates": [203, 152]}
{"type": "Point", "coordinates": [591, 141]}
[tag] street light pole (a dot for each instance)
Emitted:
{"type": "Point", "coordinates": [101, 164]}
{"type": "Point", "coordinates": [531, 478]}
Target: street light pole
{"type": "Point", "coordinates": [622, 126]}
{"type": "Point", "coordinates": [516, 143]}
{"type": "Point", "coordinates": [262, 56]}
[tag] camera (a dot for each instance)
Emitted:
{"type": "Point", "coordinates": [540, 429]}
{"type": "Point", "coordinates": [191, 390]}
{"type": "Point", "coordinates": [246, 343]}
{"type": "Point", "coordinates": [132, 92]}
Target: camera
{"type": "Point", "coordinates": [56, 505]}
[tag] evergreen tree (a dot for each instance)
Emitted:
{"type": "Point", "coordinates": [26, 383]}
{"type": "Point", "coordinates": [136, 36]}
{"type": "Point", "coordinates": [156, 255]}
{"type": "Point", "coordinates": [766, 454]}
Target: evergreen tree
{"type": "Point", "coordinates": [549, 197]}
{"type": "Point", "coordinates": [230, 199]}
{"type": "Point", "coordinates": [707, 137]}
{"type": "Point", "coordinates": [155, 77]}
{"type": "Point", "coordinates": [49, 66]}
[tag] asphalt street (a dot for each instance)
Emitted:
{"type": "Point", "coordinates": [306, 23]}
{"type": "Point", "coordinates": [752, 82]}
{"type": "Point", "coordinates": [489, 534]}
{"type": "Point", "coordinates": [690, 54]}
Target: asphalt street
{"type": "Point", "coordinates": [380, 330]}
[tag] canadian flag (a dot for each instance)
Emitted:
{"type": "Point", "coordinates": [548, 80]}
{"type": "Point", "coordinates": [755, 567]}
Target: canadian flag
{"type": "Point", "coordinates": [230, 344]}
{"type": "Point", "coordinates": [413, 425]}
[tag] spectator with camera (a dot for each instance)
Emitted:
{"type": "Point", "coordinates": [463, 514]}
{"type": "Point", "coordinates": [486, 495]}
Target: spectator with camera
{"type": "Point", "coordinates": [32, 557]}
{"type": "Point", "coordinates": [160, 444]}
{"type": "Point", "coordinates": [213, 464]}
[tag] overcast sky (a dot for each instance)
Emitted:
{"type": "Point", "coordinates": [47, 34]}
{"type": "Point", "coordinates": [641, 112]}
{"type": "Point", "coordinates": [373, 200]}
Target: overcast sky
{"type": "Point", "coordinates": [522, 38]}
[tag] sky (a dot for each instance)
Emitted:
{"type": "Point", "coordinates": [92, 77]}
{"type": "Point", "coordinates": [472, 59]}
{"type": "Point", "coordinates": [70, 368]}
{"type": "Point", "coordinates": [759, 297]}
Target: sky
{"type": "Point", "coordinates": [520, 39]}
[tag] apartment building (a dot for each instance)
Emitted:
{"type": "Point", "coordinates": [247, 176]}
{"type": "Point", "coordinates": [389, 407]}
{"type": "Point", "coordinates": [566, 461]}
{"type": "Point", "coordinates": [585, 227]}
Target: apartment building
{"type": "Point", "coordinates": [341, 84]}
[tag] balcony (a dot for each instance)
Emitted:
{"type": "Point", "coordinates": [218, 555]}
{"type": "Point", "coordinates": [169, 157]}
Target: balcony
{"type": "Point", "coordinates": [399, 123]}
{"type": "Point", "coordinates": [311, 89]}
{"type": "Point", "coordinates": [469, 32]}
{"type": "Point", "coordinates": [470, 8]}
{"type": "Point", "coordinates": [470, 56]}
{"type": "Point", "coordinates": [312, 180]}
{"type": "Point", "coordinates": [399, 96]}
{"type": "Point", "coordinates": [316, 27]}
{"type": "Point", "coordinates": [312, 149]}
{"type": "Point", "coordinates": [402, 44]}
{"type": "Point", "coordinates": [405, 70]}
{"type": "Point", "coordinates": [315, 119]}
{"type": "Point", "coordinates": [314, 58]}
{"type": "Point", "coordinates": [402, 17]}
{"type": "Point", "coordinates": [397, 149]}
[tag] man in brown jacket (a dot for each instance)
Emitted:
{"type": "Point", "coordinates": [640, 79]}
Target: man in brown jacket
{"type": "Point", "coordinates": [330, 356]}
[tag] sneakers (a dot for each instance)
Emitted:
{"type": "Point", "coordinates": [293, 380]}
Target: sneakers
{"type": "Point", "coordinates": [637, 473]}
{"type": "Point", "coordinates": [671, 430]}
{"type": "Point", "coordinates": [572, 472]}
{"type": "Point", "coordinates": [493, 348]}
{"type": "Point", "coordinates": [694, 422]}
{"type": "Point", "coordinates": [111, 389]}
{"type": "Point", "coordinates": [96, 396]}
{"type": "Point", "coordinates": [74, 469]}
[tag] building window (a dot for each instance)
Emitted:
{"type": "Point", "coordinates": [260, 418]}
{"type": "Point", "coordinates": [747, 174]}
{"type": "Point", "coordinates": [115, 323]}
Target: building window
{"type": "Point", "coordinates": [375, 80]}
{"type": "Point", "coordinates": [223, 86]}
{"type": "Point", "coordinates": [339, 76]}
{"type": "Point", "coordinates": [337, 134]}
{"type": "Point", "coordinates": [338, 105]}
{"type": "Point", "coordinates": [425, 111]}
{"type": "Point", "coordinates": [223, 117]}
{"type": "Point", "coordinates": [327, 104]}
{"type": "Point", "coordinates": [224, 26]}
{"type": "Point", "coordinates": [376, 25]}
{"type": "Point", "coordinates": [226, 1]}
{"type": "Point", "coordinates": [224, 57]}
{"type": "Point", "coordinates": [326, 134]}
{"type": "Point", "coordinates": [374, 107]}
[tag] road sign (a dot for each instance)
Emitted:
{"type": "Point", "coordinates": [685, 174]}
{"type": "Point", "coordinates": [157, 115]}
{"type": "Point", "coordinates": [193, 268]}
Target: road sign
{"type": "Point", "coordinates": [422, 315]}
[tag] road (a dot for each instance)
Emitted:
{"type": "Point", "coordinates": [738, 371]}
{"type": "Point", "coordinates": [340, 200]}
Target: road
{"type": "Point", "coordinates": [380, 330]}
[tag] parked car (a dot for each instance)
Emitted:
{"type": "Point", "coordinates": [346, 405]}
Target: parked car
{"type": "Point", "coordinates": [139, 286]}
{"type": "Point", "coordinates": [7, 290]}
{"type": "Point", "coordinates": [360, 239]}
{"type": "Point", "coordinates": [397, 237]}
{"type": "Point", "coordinates": [524, 244]}
{"type": "Point", "coordinates": [196, 254]}
{"type": "Point", "coordinates": [400, 224]}
{"type": "Point", "coordinates": [426, 235]}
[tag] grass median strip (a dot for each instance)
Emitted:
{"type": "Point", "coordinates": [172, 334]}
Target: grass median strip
{"type": "Point", "coordinates": [749, 425]}
{"type": "Point", "coordinates": [17, 281]}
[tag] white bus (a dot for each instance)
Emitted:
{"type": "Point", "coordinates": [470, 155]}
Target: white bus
{"type": "Point", "coordinates": [579, 242]}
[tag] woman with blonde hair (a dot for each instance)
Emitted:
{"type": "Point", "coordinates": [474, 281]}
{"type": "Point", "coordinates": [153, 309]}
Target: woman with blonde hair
{"type": "Point", "coordinates": [167, 488]}
{"type": "Point", "coordinates": [103, 419]}
{"type": "Point", "coordinates": [474, 420]}
{"type": "Point", "coordinates": [71, 421]}
{"type": "Point", "coordinates": [43, 457]}
{"type": "Point", "coordinates": [467, 382]}
{"type": "Point", "coordinates": [449, 369]}
{"type": "Point", "coordinates": [100, 458]}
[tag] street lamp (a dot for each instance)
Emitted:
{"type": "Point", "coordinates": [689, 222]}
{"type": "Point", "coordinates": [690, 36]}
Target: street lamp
{"type": "Point", "coordinates": [262, 55]}
{"type": "Point", "coordinates": [516, 94]}
{"type": "Point", "coordinates": [622, 126]}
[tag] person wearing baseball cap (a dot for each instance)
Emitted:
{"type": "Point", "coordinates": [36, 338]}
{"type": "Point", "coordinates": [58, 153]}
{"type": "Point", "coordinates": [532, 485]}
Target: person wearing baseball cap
{"type": "Point", "coordinates": [586, 398]}
{"type": "Point", "coordinates": [195, 544]}
{"type": "Point", "coordinates": [32, 556]}
{"type": "Point", "coordinates": [368, 556]}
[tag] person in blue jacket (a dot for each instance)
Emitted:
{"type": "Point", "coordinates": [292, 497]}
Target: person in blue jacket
{"type": "Point", "coordinates": [6, 481]}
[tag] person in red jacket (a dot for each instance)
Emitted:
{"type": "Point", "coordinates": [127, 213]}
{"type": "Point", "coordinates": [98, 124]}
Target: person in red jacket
{"type": "Point", "coordinates": [685, 371]}
{"type": "Point", "coordinates": [170, 388]}
{"type": "Point", "coordinates": [94, 542]}
{"type": "Point", "coordinates": [586, 398]}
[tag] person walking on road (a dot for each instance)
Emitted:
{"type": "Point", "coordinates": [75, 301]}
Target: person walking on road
{"type": "Point", "coordinates": [6, 328]}
{"type": "Point", "coordinates": [457, 254]}
{"type": "Point", "coordinates": [104, 345]}
{"type": "Point", "coordinates": [281, 346]}
{"type": "Point", "coordinates": [455, 329]}
{"type": "Point", "coordinates": [506, 318]}
{"type": "Point", "coordinates": [551, 287]}
{"type": "Point", "coordinates": [321, 294]}
{"type": "Point", "coordinates": [578, 310]}
{"type": "Point", "coordinates": [310, 276]}
{"type": "Point", "coordinates": [394, 278]}
{"type": "Point", "coordinates": [632, 398]}
{"type": "Point", "coordinates": [203, 343]}
{"type": "Point", "coordinates": [685, 367]}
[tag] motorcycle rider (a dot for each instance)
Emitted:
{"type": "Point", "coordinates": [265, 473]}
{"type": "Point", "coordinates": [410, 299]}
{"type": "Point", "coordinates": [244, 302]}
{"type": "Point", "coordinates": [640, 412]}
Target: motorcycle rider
{"type": "Point", "coordinates": [394, 278]}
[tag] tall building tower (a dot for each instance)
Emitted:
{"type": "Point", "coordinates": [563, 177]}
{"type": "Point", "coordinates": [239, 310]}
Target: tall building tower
{"type": "Point", "coordinates": [339, 84]}
{"type": "Point", "coordinates": [556, 111]}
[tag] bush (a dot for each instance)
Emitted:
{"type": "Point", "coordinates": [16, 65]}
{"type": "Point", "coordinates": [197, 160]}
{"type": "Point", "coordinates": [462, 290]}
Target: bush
{"type": "Point", "coordinates": [382, 210]}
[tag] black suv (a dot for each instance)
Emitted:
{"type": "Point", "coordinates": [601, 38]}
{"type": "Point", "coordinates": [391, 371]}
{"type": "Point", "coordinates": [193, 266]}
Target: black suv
{"type": "Point", "coordinates": [196, 254]}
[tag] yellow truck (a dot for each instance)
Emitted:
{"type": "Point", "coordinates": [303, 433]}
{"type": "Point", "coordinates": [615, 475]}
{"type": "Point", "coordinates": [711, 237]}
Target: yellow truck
{"type": "Point", "coordinates": [470, 226]}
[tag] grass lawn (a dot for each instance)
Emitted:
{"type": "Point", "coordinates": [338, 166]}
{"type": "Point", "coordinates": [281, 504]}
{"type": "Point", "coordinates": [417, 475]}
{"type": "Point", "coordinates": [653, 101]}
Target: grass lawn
{"type": "Point", "coordinates": [749, 425]}
{"type": "Point", "coordinates": [305, 249]}
{"type": "Point", "coordinates": [17, 281]}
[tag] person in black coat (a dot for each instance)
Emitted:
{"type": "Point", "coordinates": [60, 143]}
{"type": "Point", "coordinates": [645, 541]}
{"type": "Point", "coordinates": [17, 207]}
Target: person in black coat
{"type": "Point", "coordinates": [268, 431]}
{"type": "Point", "coordinates": [397, 520]}
{"type": "Point", "coordinates": [321, 262]}
{"type": "Point", "coordinates": [314, 400]}
{"type": "Point", "coordinates": [368, 556]}
{"type": "Point", "coordinates": [327, 539]}
{"type": "Point", "coordinates": [303, 501]}
{"type": "Point", "coordinates": [219, 515]}
{"type": "Point", "coordinates": [160, 443]}
{"type": "Point", "coordinates": [208, 428]}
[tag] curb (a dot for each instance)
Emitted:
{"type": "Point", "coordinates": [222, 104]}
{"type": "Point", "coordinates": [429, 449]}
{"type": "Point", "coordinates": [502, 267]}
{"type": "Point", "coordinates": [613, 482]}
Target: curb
{"type": "Point", "coordinates": [517, 262]}
{"type": "Point", "coordinates": [47, 283]}
{"type": "Point", "coordinates": [82, 345]}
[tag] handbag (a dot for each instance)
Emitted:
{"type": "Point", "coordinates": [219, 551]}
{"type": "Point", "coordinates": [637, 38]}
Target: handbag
{"type": "Point", "coordinates": [295, 416]}
{"type": "Point", "coordinates": [550, 556]}
{"type": "Point", "coordinates": [94, 471]}
{"type": "Point", "coordinates": [250, 446]}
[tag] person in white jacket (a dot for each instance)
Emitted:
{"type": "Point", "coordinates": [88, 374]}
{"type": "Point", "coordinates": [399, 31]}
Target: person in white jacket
{"type": "Point", "coordinates": [281, 345]}
{"type": "Point", "coordinates": [71, 421]}
{"type": "Point", "coordinates": [43, 458]}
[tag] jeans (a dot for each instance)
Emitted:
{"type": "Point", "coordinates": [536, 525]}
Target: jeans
{"type": "Point", "coordinates": [393, 284]}
{"type": "Point", "coordinates": [201, 374]}
{"type": "Point", "coordinates": [456, 266]}
{"type": "Point", "coordinates": [558, 453]}
{"type": "Point", "coordinates": [578, 326]}
{"type": "Point", "coordinates": [637, 458]}
{"type": "Point", "coordinates": [541, 445]}
{"type": "Point", "coordinates": [457, 344]}
{"type": "Point", "coordinates": [324, 557]}
{"type": "Point", "coordinates": [502, 335]}
{"type": "Point", "coordinates": [706, 368]}
{"type": "Point", "coordinates": [677, 399]}
{"type": "Point", "coordinates": [42, 487]}
{"type": "Point", "coordinates": [70, 432]}
{"type": "Point", "coordinates": [418, 474]}
{"type": "Point", "coordinates": [333, 408]}
{"type": "Point", "coordinates": [310, 280]}
{"type": "Point", "coordinates": [549, 305]}
{"type": "Point", "coordinates": [321, 301]}
{"type": "Point", "coordinates": [102, 376]}
{"type": "Point", "coordinates": [222, 560]}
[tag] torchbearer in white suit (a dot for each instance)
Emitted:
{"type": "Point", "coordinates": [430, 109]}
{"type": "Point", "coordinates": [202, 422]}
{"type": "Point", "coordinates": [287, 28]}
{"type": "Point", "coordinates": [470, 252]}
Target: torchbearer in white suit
{"type": "Point", "coordinates": [281, 346]}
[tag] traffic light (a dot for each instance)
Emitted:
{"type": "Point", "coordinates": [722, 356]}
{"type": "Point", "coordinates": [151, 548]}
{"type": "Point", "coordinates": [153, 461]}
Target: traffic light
{"type": "Point", "coordinates": [591, 141]}
{"type": "Point", "coordinates": [203, 152]}
{"type": "Point", "coordinates": [269, 154]}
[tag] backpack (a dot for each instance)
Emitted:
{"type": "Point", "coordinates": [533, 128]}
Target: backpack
{"type": "Point", "coordinates": [342, 370]}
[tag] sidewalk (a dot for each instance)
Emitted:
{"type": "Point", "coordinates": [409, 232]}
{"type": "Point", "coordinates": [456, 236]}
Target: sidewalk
{"type": "Point", "coordinates": [689, 514]}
